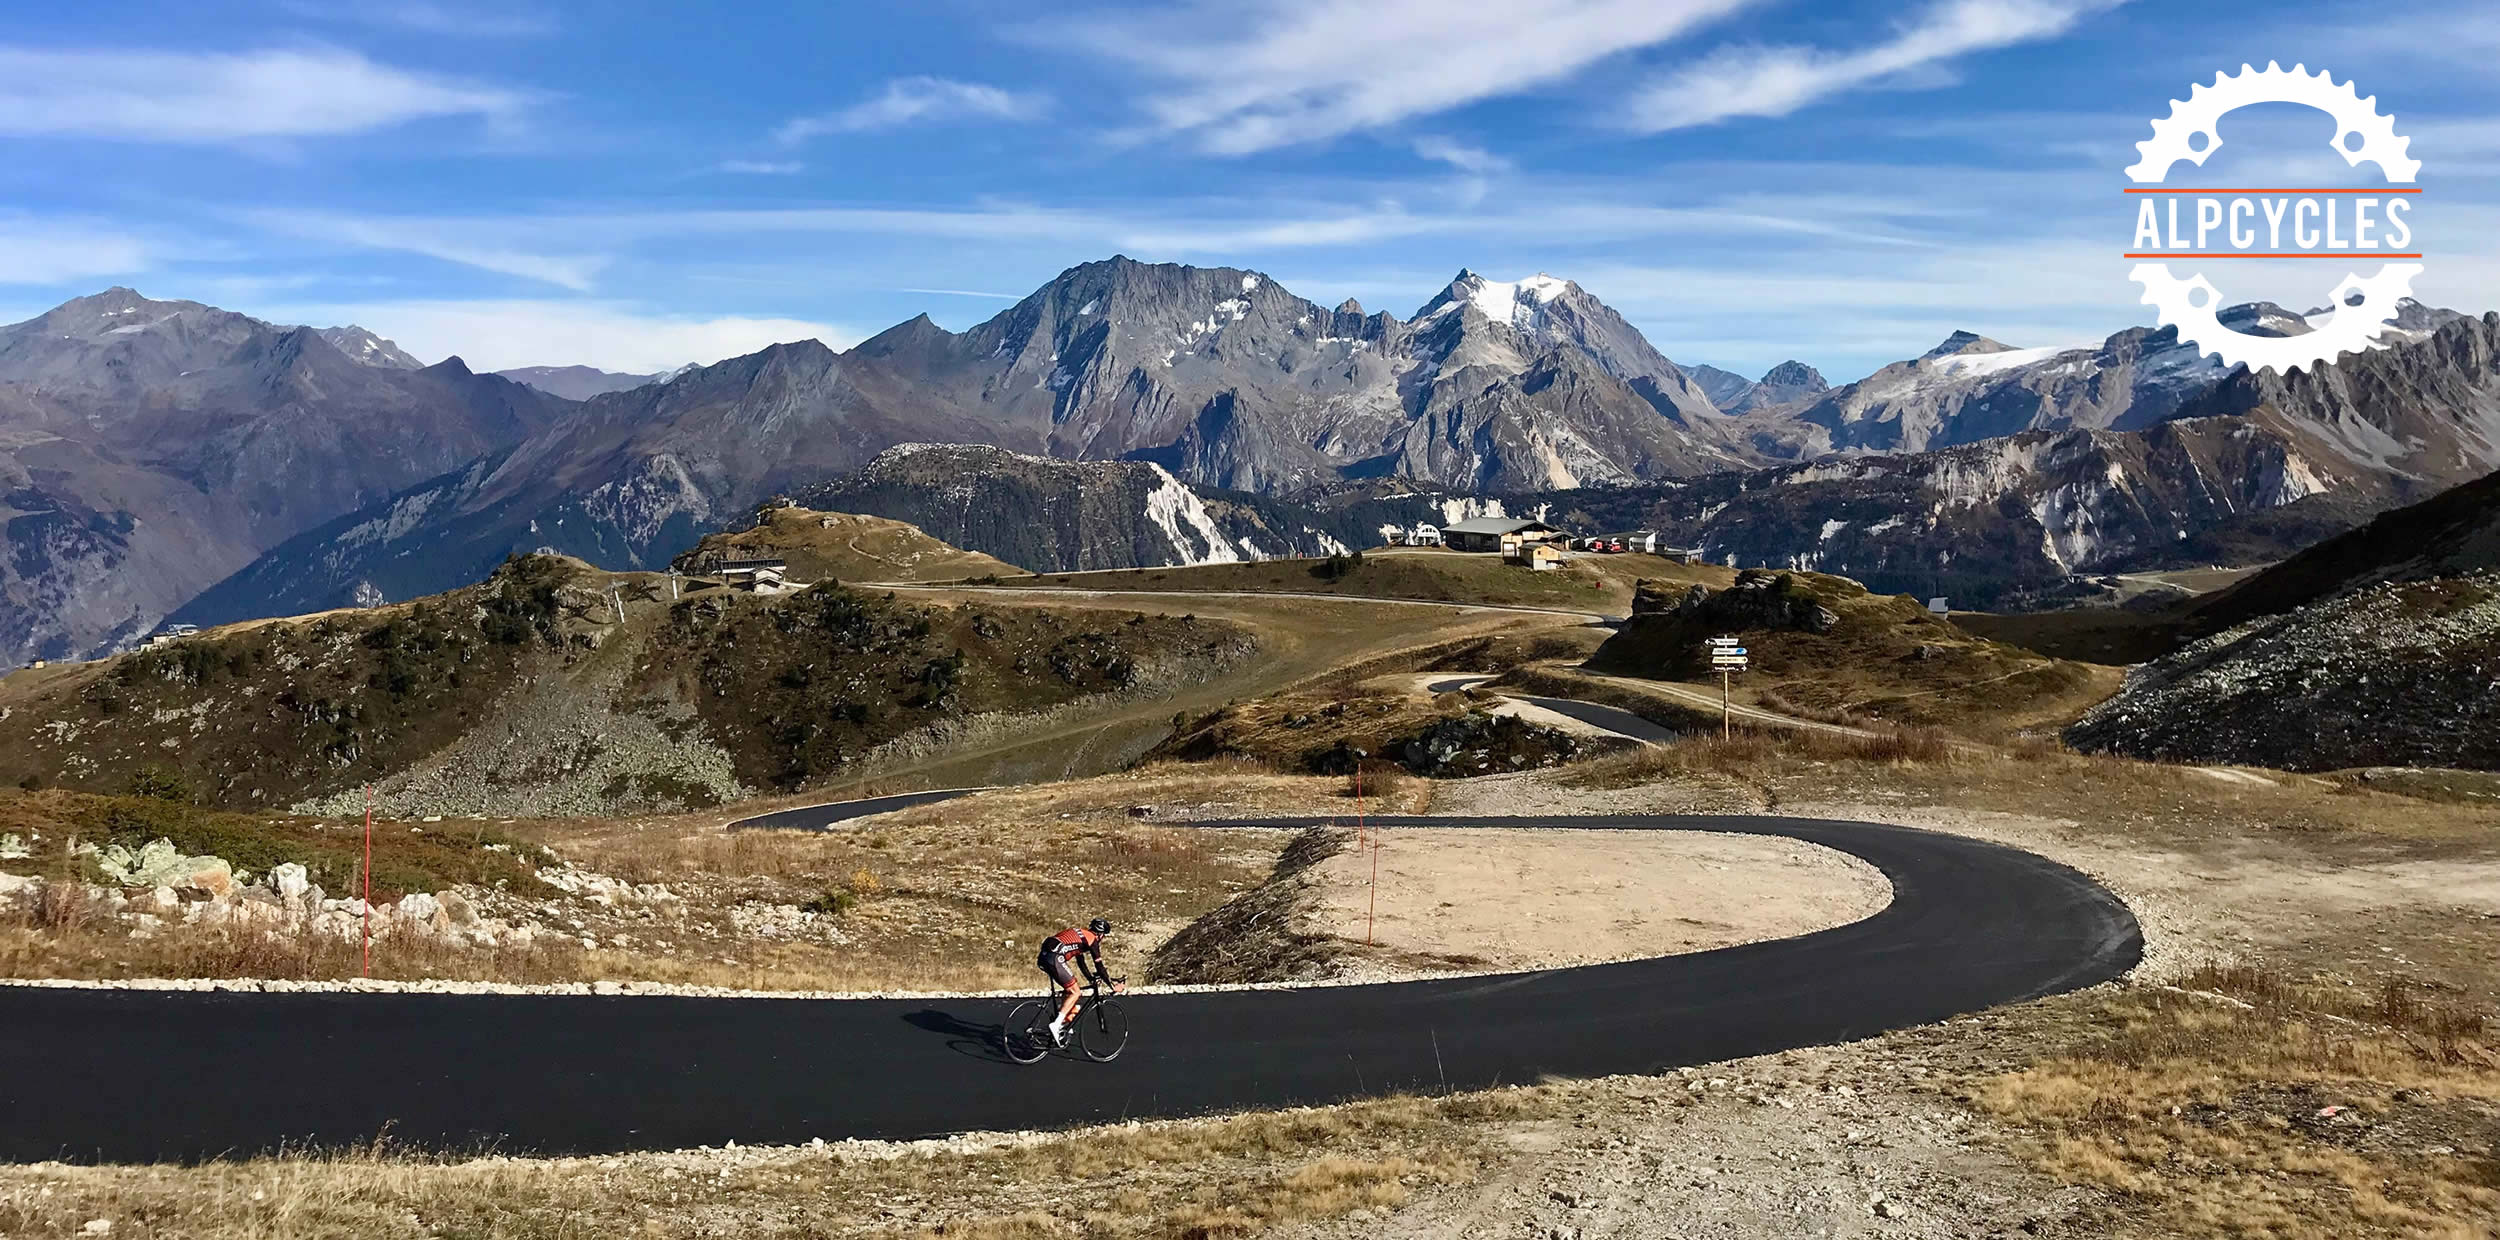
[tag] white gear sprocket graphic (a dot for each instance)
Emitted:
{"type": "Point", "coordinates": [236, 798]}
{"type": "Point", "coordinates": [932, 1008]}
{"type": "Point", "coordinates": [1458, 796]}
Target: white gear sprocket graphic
{"type": "Point", "coordinates": [2361, 134]}
{"type": "Point", "coordinates": [2204, 106]}
{"type": "Point", "coordinates": [2352, 329]}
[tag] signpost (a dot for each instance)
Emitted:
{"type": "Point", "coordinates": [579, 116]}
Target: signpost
{"type": "Point", "coordinates": [1727, 658]}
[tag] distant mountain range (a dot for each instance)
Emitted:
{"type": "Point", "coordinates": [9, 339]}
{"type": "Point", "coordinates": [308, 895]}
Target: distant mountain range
{"type": "Point", "coordinates": [149, 449]}
{"type": "Point", "coordinates": [581, 382]}
{"type": "Point", "coordinates": [1975, 462]}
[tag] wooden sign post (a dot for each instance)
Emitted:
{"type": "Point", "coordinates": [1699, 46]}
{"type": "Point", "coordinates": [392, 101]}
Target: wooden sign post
{"type": "Point", "coordinates": [1727, 658]}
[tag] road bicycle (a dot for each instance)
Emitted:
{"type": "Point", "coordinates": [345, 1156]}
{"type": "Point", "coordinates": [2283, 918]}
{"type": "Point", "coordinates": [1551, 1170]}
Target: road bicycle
{"type": "Point", "coordinates": [1099, 1030]}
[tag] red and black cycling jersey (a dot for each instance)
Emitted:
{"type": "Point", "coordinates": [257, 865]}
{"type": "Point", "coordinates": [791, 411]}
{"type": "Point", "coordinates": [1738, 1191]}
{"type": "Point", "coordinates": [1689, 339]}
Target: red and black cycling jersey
{"type": "Point", "coordinates": [1073, 942]}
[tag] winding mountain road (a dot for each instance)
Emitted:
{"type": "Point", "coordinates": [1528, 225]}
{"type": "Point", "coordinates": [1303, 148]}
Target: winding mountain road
{"type": "Point", "coordinates": [123, 1075]}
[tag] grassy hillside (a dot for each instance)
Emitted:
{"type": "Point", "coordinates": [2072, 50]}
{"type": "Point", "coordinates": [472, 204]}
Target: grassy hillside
{"type": "Point", "coordinates": [1882, 659]}
{"type": "Point", "coordinates": [841, 546]}
{"type": "Point", "coordinates": [529, 693]}
{"type": "Point", "coordinates": [1598, 583]}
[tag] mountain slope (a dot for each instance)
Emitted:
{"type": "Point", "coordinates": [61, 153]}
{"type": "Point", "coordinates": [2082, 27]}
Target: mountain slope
{"type": "Point", "coordinates": [1054, 516]}
{"type": "Point", "coordinates": [148, 449]}
{"type": "Point", "coordinates": [1225, 378]}
{"type": "Point", "coordinates": [533, 693]}
{"type": "Point", "coordinates": [2453, 534]}
{"type": "Point", "coordinates": [2392, 674]}
{"type": "Point", "coordinates": [576, 382]}
{"type": "Point", "coordinates": [1215, 376]}
{"type": "Point", "coordinates": [1971, 388]}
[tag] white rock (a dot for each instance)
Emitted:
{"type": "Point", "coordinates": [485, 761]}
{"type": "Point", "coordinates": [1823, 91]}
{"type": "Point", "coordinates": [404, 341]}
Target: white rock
{"type": "Point", "coordinates": [291, 882]}
{"type": "Point", "coordinates": [421, 912]}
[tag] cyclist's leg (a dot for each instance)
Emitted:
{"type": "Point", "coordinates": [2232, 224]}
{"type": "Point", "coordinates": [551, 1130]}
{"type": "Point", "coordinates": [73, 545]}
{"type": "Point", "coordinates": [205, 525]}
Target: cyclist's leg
{"type": "Point", "coordinates": [1065, 979]}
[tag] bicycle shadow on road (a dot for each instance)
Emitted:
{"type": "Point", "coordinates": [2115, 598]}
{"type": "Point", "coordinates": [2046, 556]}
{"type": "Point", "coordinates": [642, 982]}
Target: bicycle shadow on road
{"type": "Point", "coordinates": [982, 1041]}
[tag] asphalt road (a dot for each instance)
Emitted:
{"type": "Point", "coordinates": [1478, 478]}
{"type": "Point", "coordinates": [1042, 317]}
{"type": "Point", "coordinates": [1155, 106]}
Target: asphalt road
{"type": "Point", "coordinates": [128, 1075]}
{"type": "Point", "coordinates": [1614, 719]}
{"type": "Point", "coordinates": [824, 817]}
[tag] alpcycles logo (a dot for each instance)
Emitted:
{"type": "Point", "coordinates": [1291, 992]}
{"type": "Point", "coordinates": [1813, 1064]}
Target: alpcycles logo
{"type": "Point", "coordinates": [2291, 223]}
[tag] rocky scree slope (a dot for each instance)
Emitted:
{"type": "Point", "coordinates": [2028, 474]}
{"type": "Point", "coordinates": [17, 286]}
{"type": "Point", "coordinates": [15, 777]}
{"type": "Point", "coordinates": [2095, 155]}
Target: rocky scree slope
{"type": "Point", "coordinates": [2396, 674]}
{"type": "Point", "coordinates": [150, 448]}
{"type": "Point", "coordinates": [530, 694]}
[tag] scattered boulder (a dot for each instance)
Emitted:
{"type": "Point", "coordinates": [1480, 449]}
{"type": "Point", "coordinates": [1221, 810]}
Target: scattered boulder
{"type": "Point", "coordinates": [292, 884]}
{"type": "Point", "coordinates": [159, 863]}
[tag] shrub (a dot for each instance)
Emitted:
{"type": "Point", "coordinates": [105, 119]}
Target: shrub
{"type": "Point", "coordinates": [832, 902]}
{"type": "Point", "coordinates": [162, 783]}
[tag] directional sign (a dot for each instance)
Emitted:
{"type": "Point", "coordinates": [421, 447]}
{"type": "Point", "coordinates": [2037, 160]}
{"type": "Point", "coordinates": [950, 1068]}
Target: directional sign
{"type": "Point", "coordinates": [1721, 641]}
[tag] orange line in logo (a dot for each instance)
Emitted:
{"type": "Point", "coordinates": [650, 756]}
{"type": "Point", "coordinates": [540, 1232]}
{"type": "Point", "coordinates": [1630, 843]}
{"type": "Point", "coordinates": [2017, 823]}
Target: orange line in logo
{"type": "Point", "coordinates": [2246, 190]}
{"type": "Point", "coordinates": [2304, 254]}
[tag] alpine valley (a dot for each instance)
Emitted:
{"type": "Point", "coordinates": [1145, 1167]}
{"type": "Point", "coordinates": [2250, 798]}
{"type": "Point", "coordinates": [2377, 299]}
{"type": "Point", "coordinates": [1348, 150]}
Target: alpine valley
{"type": "Point", "coordinates": [170, 460]}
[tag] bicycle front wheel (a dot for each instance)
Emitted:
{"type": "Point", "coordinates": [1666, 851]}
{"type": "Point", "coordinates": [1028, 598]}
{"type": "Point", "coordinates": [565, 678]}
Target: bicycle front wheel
{"type": "Point", "coordinates": [1026, 1035]}
{"type": "Point", "coordinates": [1102, 1030]}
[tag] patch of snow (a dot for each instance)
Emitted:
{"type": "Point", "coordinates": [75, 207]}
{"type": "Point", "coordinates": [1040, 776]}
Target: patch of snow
{"type": "Point", "coordinates": [1249, 284]}
{"type": "Point", "coordinates": [1088, 307]}
{"type": "Point", "coordinates": [1830, 528]}
{"type": "Point", "coordinates": [1965, 365]}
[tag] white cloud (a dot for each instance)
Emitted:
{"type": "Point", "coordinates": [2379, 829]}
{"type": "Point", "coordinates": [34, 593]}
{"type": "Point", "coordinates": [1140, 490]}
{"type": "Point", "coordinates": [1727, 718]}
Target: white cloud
{"type": "Point", "coordinates": [911, 100]}
{"type": "Point", "coordinates": [36, 251]}
{"type": "Point", "coordinates": [1775, 81]}
{"type": "Point", "coordinates": [1247, 77]}
{"type": "Point", "coordinates": [761, 167]}
{"type": "Point", "coordinates": [451, 240]}
{"type": "Point", "coordinates": [611, 335]}
{"type": "Point", "coordinates": [218, 97]}
{"type": "Point", "coordinates": [1459, 155]}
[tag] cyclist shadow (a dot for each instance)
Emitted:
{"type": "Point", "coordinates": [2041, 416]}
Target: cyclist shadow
{"type": "Point", "coordinates": [984, 1042]}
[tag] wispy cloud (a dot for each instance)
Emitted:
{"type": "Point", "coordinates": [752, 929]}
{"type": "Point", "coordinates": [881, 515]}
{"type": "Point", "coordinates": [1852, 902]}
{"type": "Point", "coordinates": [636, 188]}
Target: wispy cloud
{"type": "Point", "coordinates": [50, 251]}
{"type": "Point", "coordinates": [761, 167]}
{"type": "Point", "coordinates": [465, 21]}
{"type": "Point", "coordinates": [611, 335]}
{"type": "Point", "coordinates": [1775, 81]}
{"type": "Point", "coordinates": [1251, 76]}
{"type": "Point", "coordinates": [1460, 155]}
{"type": "Point", "coordinates": [450, 240]}
{"type": "Point", "coordinates": [213, 98]}
{"type": "Point", "coordinates": [914, 100]}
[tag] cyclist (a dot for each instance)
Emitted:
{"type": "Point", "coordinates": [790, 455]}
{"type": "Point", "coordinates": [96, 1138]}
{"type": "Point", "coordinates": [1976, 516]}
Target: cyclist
{"type": "Point", "coordinates": [1064, 956]}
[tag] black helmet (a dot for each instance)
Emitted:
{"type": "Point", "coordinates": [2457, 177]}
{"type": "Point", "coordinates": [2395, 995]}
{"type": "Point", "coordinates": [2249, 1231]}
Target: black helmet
{"type": "Point", "coordinates": [1099, 925]}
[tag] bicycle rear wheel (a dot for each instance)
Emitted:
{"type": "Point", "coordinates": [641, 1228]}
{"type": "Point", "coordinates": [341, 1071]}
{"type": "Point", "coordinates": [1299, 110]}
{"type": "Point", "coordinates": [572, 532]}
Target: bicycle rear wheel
{"type": "Point", "coordinates": [1102, 1030]}
{"type": "Point", "coordinates": [1026, 1035]}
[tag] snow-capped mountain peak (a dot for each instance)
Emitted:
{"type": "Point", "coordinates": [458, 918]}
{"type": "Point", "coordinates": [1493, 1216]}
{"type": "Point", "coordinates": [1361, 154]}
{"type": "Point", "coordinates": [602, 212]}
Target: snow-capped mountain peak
{"type": "Point", "coordinates": [1515, 302]}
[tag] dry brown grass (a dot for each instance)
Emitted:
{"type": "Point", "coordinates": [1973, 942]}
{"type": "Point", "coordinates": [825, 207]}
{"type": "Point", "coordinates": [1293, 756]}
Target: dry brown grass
{"type": "Point", "coordinates": [1757, 756]}
{"type": "Point", "coordinates": [2251, 1103]}
{"type": "Point", "coordinates": [1229, 1177]}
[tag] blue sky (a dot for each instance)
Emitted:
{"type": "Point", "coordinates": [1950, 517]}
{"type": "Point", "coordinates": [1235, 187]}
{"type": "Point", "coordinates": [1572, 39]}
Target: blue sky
{"type": "Point", "coordinates": [636, 185]}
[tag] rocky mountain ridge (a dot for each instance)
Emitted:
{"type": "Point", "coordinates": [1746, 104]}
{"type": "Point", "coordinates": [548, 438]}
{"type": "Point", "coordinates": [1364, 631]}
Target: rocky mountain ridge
{"type": "Point", "coordinates": [150, 448]}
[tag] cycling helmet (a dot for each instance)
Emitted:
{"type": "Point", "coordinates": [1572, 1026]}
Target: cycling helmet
{"type": "Point", "coordinates": [1099, 925]}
